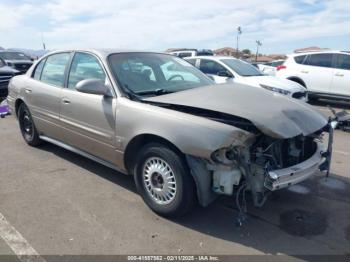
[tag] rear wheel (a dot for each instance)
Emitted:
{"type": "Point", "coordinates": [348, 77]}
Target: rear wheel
{"type": "Point", "coordinates": [164, 181]}
{"type": "Point", "coordinates": [27, 127]}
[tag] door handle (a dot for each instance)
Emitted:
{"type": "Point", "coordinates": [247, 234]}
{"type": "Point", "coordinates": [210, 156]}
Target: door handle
{"type": "Point", "coordinates": [339, 74]}
{"type": "Point", "coordinates": [27, 90]}
{"type": "Point", "coordinates": [65, 101]}
{"type": "Point", "coordinates": [304, 71]}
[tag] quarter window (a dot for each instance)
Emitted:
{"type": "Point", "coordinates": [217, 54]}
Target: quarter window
{"type": "Point", "coordinates": [54, 69]}
{"type": "Point", "coordinates": [299, 59]}
{"type": "Point", "coordinates": [322, 60]}
{"type": "Point", "coordinates": [85, 66]}
{"type": "Point", "coordinates": [210, 67]}
{"type": "Point", "coordinates": [191, 61]}
{"type": "Point", "coordinates": [39, 69]}
{"type": "Point", "coordinates": [343, 62]}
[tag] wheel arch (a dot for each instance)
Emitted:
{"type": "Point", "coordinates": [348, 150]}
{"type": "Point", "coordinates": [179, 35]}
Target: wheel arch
{"type": "Point", "coordinates": [138, 142]}
{"type": "Point", "coordinates": [18, 102]}
{"type": "Point", "coordinates": [298, 80]}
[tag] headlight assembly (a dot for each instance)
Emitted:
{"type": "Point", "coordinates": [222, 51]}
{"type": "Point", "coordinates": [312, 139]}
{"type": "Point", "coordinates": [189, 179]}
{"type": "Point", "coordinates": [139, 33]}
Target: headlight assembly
{"type": "Point", "coordinates": [275, 89]}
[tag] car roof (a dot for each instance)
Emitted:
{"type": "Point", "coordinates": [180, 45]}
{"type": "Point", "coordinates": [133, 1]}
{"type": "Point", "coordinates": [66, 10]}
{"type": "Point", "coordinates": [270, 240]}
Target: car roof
{"type": "Point", "coordinates": [102, 52]}
{"type": "Point", "coordinates": [318, 52]}
{"type": "Point", "coordinates": [211, 57]}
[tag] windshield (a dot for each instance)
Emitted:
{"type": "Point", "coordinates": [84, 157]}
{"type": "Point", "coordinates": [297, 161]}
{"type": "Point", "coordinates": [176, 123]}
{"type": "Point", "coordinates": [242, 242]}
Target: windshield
{"type": "Point", "coordinates": [155, 74]}
{"type": "Point", "coordinates": [242, 68]}
{"type": "Point", "coordinates": [2, 63]}
{"type": "Point", "coordinates": [13, 56]}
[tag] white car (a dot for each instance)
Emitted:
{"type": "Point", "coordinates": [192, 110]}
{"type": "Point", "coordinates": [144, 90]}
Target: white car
{"type": "Point", "coordinates": [325, 74]}
{"type": "Point", "coordinates": [182, 53]}
{"type": "Point", "coordinates": [270, 68]}
{"type": "Point", "coordinates": [225, 69]}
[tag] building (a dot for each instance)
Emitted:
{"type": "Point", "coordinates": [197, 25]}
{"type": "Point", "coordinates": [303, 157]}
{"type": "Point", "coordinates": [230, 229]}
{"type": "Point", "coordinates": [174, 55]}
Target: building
{"type": "Point", "coordinates": [227, 51]}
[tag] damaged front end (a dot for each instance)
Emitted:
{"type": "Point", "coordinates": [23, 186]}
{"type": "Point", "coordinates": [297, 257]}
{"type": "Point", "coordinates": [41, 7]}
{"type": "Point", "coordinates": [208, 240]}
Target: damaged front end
{"type": "Point", "coordinates": [263, 164]}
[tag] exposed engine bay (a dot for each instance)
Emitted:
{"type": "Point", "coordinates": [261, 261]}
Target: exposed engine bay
{"type": "Point", "coordinates": [262, 164]}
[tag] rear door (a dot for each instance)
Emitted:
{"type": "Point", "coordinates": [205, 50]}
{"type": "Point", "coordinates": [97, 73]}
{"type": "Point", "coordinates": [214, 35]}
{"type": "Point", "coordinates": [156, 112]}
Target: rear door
{"type": "Point", "coordinates": [88, 121]}
{"type": "Point", "coordinates": [43, 92]}
{"type": "Point", "coordinates": [341, 77]}
{"type": "Point", "coordinates": [317, 72]}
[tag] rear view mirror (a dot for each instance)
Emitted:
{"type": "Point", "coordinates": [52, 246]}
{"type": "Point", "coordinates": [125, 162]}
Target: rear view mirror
{"type": "Point", "coordinates": [224, 73]}
{"type": "Point", "coordinates": [92, 86]}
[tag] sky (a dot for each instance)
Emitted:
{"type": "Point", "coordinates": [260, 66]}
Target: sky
{"type": "Point", "coordinates": [281, 25]}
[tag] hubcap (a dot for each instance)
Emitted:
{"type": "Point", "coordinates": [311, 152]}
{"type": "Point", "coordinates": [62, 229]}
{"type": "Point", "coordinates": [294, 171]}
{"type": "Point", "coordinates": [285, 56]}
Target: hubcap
{"type": "Point", "coordinates": [159, 180]}
{"type": "Point", "coordinates": [27, 124]}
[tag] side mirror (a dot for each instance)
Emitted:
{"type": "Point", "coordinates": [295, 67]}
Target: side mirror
{"type": "Point", "coordinates": [224, 73]}
{"type": "Point", "coordinates": [92, 86]}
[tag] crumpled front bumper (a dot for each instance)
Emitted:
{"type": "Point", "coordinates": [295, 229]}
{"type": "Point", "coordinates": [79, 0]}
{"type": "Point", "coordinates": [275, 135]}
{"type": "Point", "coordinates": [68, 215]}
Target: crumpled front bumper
{"type": "Point", "coordinates": [281, 178]}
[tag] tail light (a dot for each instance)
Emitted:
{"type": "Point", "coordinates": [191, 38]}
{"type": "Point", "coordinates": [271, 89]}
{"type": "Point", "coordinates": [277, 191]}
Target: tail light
{"type": "Point", "coordinates": [280, 67]}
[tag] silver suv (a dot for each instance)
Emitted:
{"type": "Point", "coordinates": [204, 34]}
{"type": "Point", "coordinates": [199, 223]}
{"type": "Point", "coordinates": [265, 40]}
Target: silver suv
{"type": "Point", "coordinates": [160, 119]}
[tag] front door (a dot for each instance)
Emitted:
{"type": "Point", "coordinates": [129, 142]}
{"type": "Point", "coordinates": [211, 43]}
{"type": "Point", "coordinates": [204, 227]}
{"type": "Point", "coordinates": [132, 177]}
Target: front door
{"type": "Point", "coordinates": [214, 69]}
{"type": "Point", "coordinates": [88, 121]}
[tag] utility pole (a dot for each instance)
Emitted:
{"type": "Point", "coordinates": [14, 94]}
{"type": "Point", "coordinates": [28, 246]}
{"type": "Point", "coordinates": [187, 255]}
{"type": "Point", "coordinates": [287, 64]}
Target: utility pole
{"type": "Point", "coordinates": [239, 32]}
{"type": "Point", "coordinates": [258, 43]}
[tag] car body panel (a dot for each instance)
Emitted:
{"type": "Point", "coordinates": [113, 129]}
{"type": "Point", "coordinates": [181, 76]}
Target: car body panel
{"type": "Point", "coordinates": [274, 114]}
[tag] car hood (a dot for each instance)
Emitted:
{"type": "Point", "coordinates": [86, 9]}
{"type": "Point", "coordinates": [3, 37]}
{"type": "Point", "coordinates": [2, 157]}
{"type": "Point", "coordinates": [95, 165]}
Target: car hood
{"type": "Point", "coordinates": [273, 114]}
{"type": "Point", "coordinates": [273, 82]}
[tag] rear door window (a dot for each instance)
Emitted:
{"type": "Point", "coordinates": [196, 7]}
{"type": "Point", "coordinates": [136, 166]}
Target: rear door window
{"type": "Point", "coordinates": [185, 54]}
{"type": "Point", "coordinates": [322, 60]}
{"type": "Point", "coordinates": [343, 62]}
{"type": "Point", "coordinates": [54, 70]}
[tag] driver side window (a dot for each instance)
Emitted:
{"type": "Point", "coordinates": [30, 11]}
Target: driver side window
{"type": "Point", "coordinates": [85, 66]}
{"type": "Point", "coordinates": [210, 67]}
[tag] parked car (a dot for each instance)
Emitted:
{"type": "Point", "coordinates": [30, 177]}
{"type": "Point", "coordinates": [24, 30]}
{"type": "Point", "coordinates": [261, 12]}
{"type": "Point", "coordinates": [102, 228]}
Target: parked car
{"type": "Point", "coordinates": [183, 139]}
{"type": "Point", "coordinates": [325, 74]}
{"type": "Point", "coordinates": [270, 68]}
{"type": "Point", "coordinates": [16, 60]}
{"type": "Point", "coordinates": [191, 52]}
{"type": "Point", "coordinates": [225, 69]}
{"type": "Point", "coordinates": [6, 73]}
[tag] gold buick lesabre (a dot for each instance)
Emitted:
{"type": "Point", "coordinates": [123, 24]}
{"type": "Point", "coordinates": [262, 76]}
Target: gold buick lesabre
{"type": "Point", "coordinates": [156, 117]}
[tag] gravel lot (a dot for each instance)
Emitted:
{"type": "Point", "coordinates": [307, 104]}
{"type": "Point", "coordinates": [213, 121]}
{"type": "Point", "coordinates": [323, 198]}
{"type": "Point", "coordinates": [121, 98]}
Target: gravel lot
{"type": "Point", "coordinates": [62, 203]}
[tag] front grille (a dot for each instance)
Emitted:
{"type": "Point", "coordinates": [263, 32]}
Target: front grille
{"type": "Point", "coordinates": [299, 95]}
{"type": "Point", "coordinates": [22, 67]}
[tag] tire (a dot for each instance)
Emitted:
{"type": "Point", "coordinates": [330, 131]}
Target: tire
{"type": "Point", "coordinates": [163, 180]}
{"type": "Point", "coordinates": [27, 127]}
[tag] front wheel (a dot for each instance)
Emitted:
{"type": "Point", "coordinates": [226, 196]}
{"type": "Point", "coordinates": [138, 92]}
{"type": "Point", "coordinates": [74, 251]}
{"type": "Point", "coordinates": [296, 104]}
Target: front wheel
{"type": "Point", "coordinates": [163, 180]}
{"type": "Point", "coordinates": [27, 127]}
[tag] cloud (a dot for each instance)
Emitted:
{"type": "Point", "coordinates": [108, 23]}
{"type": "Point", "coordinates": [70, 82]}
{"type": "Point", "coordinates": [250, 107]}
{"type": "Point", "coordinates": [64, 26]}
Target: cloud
{"type": "Point", "coordinates": [153, 24]}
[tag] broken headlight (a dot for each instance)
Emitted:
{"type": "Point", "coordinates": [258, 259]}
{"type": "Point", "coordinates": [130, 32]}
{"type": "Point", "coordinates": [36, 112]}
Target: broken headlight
{"type": "Point", "coordinates": [275, 89]}
{"type": "Point", "coordinates": [225, 156]}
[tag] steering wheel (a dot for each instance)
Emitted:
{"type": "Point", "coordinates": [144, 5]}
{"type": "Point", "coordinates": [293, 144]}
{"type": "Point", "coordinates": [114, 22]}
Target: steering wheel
{"type": "Point", "coordinates": [174, 76]}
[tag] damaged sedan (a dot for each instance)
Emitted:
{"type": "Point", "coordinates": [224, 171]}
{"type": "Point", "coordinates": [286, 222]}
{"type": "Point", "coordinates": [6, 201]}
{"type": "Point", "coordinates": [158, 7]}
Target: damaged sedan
{"type": "Point", "coordinates": [158, 118]}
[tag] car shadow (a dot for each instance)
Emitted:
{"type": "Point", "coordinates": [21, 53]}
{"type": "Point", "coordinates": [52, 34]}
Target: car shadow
{"type": "Point", "coordinates": [336, 104]}
{"type": "Point", "coordinates": [298, 215]}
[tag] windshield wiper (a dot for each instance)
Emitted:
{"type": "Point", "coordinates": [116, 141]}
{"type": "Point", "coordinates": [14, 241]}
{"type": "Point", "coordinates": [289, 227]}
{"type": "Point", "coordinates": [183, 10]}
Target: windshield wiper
{"type": "Point", "coordinates": [130, 93]}
{"type": "Point", "coordinates": [156, 92]}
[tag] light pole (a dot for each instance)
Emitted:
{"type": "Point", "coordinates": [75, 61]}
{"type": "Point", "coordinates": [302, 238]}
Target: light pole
{"type": "Point", "coordinates": [258, 43]}
{"type": "Point", "coordinates": [239, 31]}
